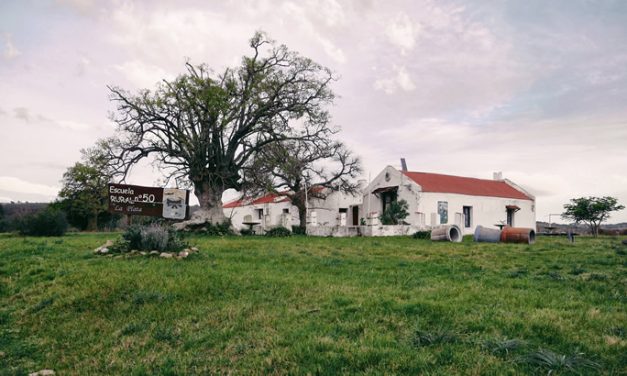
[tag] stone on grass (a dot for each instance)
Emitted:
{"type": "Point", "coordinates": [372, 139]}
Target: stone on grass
{"type": "Point", "coordinates": [143, 253]}
{"type": "Point", "coordinates": [154, 253]}
{"type": "Point", "coordinates": [104, 251]}
{"type": "Point", "coordinates": [183, 254]}
{"type": "Point", "coordinates": [193, 249]}
{"type": "Point", "coordinates": [165, 255]}
{"type": "Point", "coordinates": [43, 372]}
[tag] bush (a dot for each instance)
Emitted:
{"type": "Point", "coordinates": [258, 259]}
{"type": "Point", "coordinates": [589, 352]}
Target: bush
{"type": "Point", "coordinates": [149, 237]}
{"type": "Point", "coordinates": [299, 230]}
{"type": "Point", "coordinates": [246, 232]}
{"type": "Point", "coordinates": [422, 235]}
{"type": "Point", "coordinates": [395, 213]}
{"type": "Point", "coordinates": [219, 229]}
{"type": "Point", "coordinates": [48, 222]}
{"type": "Point", "coordinates": [278, 232]}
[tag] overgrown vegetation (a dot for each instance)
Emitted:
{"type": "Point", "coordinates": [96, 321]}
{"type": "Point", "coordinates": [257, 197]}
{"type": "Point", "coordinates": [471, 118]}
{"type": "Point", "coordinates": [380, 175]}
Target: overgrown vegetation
{"type": "Point", "coordinates": [278, 232]}
{"type": "Point", "coordinates": [395, 213]}
{"type": "Point", "coordinates": [48, 222]}
{"type": "Point", "coordinates": [421, 235]}
{"type": "Point", "coordinates": [298, 305]}
{"type": "Point", "coordinates": [219, 229]}
{"type": "Point", "coordinates": [155, 236]}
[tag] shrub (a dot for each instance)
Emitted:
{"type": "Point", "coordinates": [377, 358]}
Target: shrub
{"type": "Point", "coordinates": [149, 237]}
{"type": "Point", "coordinates": [422, 235]}
{"type": "Point", "coordinates": [48, 222]}
{"type": "Point", "coordinates": [278, 232]}
{"type": "Point", "coordinates": [299, 230]}
{"type": "Point", "coordinates": [395, 213]}
{"type": "Point", "coordinates": [246, 232]}
{"type": "Point", "coordinates": [218, 229]}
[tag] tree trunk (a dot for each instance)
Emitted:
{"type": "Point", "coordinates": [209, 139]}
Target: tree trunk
{"type": "Point", "coordinates": [210, 200]}
{"type": "Point", "coordinates": [92, 222]}
{"type": "Point", "coordinates": [299, 202]}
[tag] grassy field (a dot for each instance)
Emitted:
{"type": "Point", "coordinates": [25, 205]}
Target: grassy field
{"type": "Point", "coordinates": [315, 305]}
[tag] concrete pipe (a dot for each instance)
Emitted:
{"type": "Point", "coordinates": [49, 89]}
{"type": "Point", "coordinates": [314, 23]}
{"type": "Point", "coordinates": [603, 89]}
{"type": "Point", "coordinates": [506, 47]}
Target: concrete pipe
{"type": "Point", "coordinates": [518, 235]}
{"type": "Point", "coordinates": [450, 233]}
{"type": "Point", "coordinates": [488, 235]}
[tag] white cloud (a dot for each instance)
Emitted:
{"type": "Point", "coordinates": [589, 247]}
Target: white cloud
{"type": "Point", "coordinates": [142, 75]}
{"type": "Point", "coordinates": [13, 184]}
{"type": "Point", "coordinates": [401, 80]}
{"type": "Point", "coordinates": [401, 32]}
{"type": "Point", "coordinates": [10, 51]}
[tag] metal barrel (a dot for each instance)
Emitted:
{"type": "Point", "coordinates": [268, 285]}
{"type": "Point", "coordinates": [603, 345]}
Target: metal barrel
{"type": "Point", "coordinates": [518, 235]}
{"type": "Point", "coordinates": [450, 233]}
{"type": "Point", "coordinates": [488, 235]}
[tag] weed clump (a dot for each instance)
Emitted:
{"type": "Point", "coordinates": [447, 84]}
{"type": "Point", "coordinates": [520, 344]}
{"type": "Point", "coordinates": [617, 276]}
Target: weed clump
{"type": "Point", "coordinates": [424, 338]}
{"type": "Point", "coordinates": [553, 362]}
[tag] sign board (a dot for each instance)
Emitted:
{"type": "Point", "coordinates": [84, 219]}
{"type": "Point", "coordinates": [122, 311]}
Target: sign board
{"type": "Point", "coordinates": [169, 203]}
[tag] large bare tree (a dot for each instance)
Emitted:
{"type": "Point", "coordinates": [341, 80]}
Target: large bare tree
{"type": "Point", "coordinates": [302, 170]}
{"type": "Point", "coordinates": [204, 128]}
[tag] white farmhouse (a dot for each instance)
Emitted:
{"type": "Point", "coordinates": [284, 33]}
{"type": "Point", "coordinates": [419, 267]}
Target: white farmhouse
{"type": "Point", "coordinates": [436, 199]}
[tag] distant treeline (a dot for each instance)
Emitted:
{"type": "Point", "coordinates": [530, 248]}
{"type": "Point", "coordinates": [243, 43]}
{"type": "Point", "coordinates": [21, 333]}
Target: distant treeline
{"type": "Point", "coordinates": [606, 229]}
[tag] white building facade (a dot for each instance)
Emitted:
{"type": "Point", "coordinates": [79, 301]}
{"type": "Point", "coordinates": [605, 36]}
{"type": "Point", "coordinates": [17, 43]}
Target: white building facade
{"type": "Point", "coordinates": [269, 211]}
{"type": "Point", "coordinates": [436, 199]}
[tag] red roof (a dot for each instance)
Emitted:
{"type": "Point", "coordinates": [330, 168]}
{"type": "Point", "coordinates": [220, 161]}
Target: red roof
{"type": "Point", "coordinates": [267, 199]}
{"type": "Point", "coordinates": [465, 186]}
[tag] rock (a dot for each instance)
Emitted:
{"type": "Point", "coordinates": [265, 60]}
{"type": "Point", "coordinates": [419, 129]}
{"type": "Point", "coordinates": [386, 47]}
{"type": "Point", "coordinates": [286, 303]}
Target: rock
{"type": "Point", "coordinates": [107, 244]}
{"type": "Point", "coordinates": [43, 372]}
{"type": "Point", "coordinates": [165, 255]}
{"type": "Point", "coordinates": [134, 251]}
{"type": "Point", "coordinates": [143, 253]}
{"type": "Point", "coordinates": [183, 254]}
{"type": "Point", "coordinates": [104, 251]}
{"type": "Point", "coordinates": [154, 253]}
{"type": "Point", "coordinates": [194, 249]}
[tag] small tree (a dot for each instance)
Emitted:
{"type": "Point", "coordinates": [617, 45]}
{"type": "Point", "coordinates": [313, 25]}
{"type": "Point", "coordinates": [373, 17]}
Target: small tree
{"type": "Point", "coordinates": [395, 213]}
{"type": "Point", "coordinates": [84, 192]}
{"type": "Point", "coordinates": [591, 210]}
{"type": "Point", "coordinates": [303, 169]}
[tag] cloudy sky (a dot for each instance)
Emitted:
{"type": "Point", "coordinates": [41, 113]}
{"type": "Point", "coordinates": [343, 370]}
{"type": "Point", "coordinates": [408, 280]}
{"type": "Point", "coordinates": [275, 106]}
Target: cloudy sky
{"type": "Point", "coordinates": [535, 89]}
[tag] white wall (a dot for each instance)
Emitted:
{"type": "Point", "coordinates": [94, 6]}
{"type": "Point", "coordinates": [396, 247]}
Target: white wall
{"type": "Point", "coordinates": [328, 210]}
{"type": "Point", "coordinates": [486, 211]}
{"type": "Point", "coordinates": [272, 215]}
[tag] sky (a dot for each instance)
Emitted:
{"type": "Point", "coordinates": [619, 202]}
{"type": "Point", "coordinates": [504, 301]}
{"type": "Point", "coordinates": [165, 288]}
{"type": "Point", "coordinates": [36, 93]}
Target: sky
{"type": "Point", "coordinates": [534, 89]}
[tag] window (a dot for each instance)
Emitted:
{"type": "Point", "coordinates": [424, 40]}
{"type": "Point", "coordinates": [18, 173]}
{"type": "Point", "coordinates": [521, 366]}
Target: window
{"type": "Point", "coordinates": [467, 216]}
{"type": "Point", "coordinates": [510, 217]}
{"type": "Point", "coordinates": [443, 212]}
{"type": "Point", "coordinates": [286, 211]}
{"type": "Point", "coordinates": [259, 213]}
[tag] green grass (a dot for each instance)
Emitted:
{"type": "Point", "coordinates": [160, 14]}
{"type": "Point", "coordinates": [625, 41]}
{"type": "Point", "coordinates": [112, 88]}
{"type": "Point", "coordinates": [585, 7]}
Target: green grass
{"type": "Point", "coordinates": [300, 305]}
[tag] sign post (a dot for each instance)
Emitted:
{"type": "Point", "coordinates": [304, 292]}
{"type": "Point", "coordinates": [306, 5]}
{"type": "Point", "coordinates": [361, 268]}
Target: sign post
{"type": "Point", "coordinates": [169, 203]}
